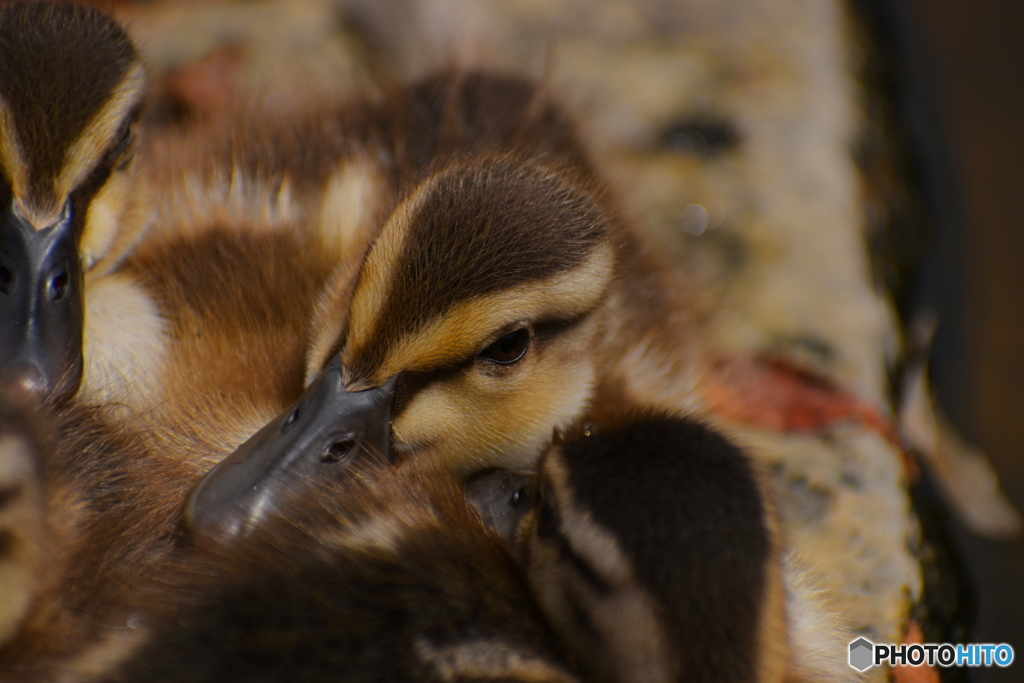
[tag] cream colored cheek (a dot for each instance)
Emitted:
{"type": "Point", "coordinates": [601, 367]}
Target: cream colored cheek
{"type": "Point", "coordinates": [453, 425]}
{"type": "Point", "coordinates": [477, 421]}
{"type": "Point", "coordinates": [103, 219]}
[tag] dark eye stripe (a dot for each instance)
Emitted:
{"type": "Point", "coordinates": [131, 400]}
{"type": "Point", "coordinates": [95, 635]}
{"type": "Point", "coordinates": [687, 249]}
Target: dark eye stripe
{"type": "Point", "coordinates": [549, 525]}
{"type": "Point", "coordinates": [410, 383]}
{"type": "Point", "coordinates": [582, 567]}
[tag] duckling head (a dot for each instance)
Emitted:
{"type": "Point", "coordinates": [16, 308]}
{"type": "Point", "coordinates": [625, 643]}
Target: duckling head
{"type": "Point", "coordinates": [648, 546]}
{"type": "Point", "coordinates": [465, 336]}
{"type": "Point", "coordinates": [70, 89]}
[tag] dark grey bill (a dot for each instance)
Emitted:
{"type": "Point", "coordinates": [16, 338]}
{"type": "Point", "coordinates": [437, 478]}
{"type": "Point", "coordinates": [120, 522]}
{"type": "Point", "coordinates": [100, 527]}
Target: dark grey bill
{"type": "Point", "coordinates": [326, 430]}
{"type": "Point", "coordinates": [41, 302]}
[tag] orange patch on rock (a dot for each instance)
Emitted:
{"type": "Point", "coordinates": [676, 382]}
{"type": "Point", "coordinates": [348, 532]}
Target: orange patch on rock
{"type": "Point", "coordinates": [914, 674]}
{"type": "Point", "coordinates": [776, 395]}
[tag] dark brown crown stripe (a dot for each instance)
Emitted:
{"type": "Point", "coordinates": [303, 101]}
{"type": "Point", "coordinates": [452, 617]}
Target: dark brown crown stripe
{"type": "Point", "coordinates": [466, 240]}
{"type": "Point", "coordinates": [40, 42]}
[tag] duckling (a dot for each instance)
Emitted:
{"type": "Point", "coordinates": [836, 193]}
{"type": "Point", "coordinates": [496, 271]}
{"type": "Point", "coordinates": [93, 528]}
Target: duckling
{"type": "Point", "coordinates": [474, 360]}
{"type": "Point", "coordinates": [71, 86]}
{"type": "Point", "coordinates": [651, 543]}
{"type": "Point", "coordinates": [652, 549]}
{"type": "Point", "coordinates": [486, 313]}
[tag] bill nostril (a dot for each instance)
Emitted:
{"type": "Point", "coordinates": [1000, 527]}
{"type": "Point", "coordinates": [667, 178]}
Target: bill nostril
{"type": "Point", "coordinates": [291, 420]}
{"type": "Point", "coordinates": [338, 450]}
{"type": "Point", "coordinates": [57, 286]}
{"type": "Point", "coordinates": [8, 281]}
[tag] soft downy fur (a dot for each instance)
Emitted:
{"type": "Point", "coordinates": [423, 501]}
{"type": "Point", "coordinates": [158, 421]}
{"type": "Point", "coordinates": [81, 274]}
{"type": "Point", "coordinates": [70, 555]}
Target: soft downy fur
{"type": "Point", "coordinates": [506, 233]}
{"type": "Point", "coordinates": [232, 312]}
{"type": "Point", "coordinates": [106, 514]}
{"type": "Point", "coordinates": [381, 576]}
{"type": "Point", "coordinates": [376, 575]}
{"type": "Point", "coordinates": [250, 224]}
{"type": "Point", "coordinates": [71, 90]}
{"type": "Point", "coordinates": [653, 546]}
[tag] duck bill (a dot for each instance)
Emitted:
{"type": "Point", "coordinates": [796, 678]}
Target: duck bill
{"type": "Point", "coordinates": [41, 304]}
{"type": "Point", "coordinates": [326, 431]}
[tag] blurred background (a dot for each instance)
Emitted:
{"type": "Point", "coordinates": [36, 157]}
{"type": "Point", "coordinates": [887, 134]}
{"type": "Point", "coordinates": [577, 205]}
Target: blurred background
{"type": "Point", "coordinates": [977, 279]}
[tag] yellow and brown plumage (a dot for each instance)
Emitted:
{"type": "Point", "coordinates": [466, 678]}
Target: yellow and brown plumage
{"type": "Point", "coordinates": [372, 575]}
{"type": "Point", "coordinates": [378, 576]}
{"type": "Point", "coordinates": [652, 543]}
{"type": "Point", "coordinates": [249, 216]}
{"type": "Point", "coordinates": [120, 487]}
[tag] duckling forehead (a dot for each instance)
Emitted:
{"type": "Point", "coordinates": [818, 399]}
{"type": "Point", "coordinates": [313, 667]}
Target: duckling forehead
{"type": "Point", "coordinates": [470, 249]}
{"type": "Point", "coordinates": [100, 79]}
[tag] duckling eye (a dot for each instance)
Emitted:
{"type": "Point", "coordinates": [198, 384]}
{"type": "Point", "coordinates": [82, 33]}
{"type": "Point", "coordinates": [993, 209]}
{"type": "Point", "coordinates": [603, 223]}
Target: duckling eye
{"type": "Point", "coordinates": [508, 349]}
{"type": "Point", "coordinates": [518, 496]}
{"type": "Point", "coordinates": [291, 420]}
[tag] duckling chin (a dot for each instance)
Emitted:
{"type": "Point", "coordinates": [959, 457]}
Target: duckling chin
{"type": "Point", "coordinates": [71, 85]}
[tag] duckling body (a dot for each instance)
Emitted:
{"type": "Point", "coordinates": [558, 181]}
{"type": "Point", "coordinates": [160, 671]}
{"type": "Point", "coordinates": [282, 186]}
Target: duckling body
{"type": "Point", "coordinates": [502, 292]}
{"type": "Point", "coordinates": [379, 577]}
{"type": "Point", "coordinates": [97, 512]}
{"type": "Point", "coordinates": [252, 216]}
{"type": "Point", "coordinates": [653, 551]}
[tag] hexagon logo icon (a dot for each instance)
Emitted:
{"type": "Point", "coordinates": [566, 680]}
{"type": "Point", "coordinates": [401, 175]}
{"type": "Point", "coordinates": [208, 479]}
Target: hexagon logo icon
{"type": "Point", "coordinates": [862, 654]}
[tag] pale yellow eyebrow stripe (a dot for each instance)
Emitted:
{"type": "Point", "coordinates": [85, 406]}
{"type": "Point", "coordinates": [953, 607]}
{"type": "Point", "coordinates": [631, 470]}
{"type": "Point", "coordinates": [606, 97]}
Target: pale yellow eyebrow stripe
{"type": "Point", "coordinates": [81, 158]}
{"type": "Point", "coordinates": [376, 279]}
{"type": "Point", "coordinates": [10, 152]}
{"type": "Point", "coordinates": [464, 328]}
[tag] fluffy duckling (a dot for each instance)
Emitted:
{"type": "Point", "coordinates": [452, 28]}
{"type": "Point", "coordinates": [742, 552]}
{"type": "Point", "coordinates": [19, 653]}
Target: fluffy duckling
{"type": "Point", "coordinates": [651, 543]}
{"type": "Point", "coordinates": [652, 550]}
{"type": "Point", "coordinates": [487, 313]}
{"type": "Point", "coordinates": [71, 84]}
{"type": "Point", "coordinates": [470, 342]}
{"type": "Point", "coordinates": [428, 127]}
